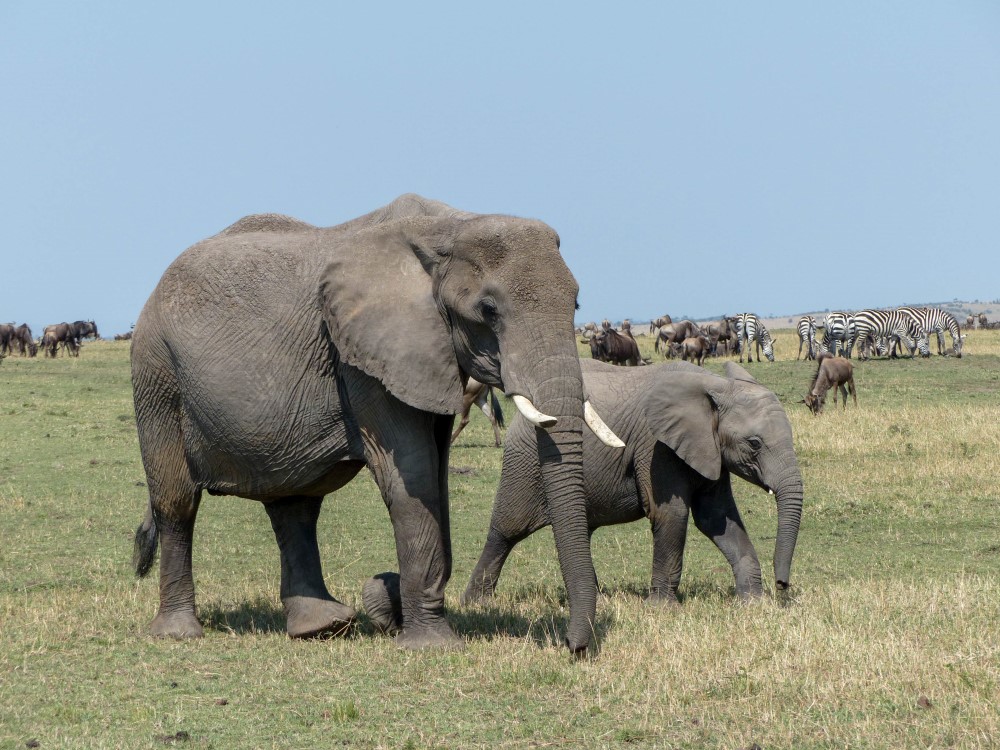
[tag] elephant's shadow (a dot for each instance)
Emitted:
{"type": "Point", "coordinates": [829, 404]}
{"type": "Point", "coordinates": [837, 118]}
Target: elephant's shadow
{"type": "Point", "coordinates": [485, 622]}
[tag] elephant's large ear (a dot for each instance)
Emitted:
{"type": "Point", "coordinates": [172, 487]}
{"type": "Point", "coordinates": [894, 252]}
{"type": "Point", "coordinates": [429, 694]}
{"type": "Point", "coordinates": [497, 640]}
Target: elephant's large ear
{"type": "Point", "coordinates": [681, 414]}
{"type": "Point", "coordinates": [735, 372]}
{"type": "Point", "coordinates": [379, 308]}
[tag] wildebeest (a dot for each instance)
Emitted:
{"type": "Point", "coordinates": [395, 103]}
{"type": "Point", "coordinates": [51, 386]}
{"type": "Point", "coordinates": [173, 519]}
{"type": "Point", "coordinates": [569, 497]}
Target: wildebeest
{"type": "Point", "coordinates": [481, 395]}
{"type": "Point", "coordinates": [84, 329]}
{"type": "Point", "coordinates": [695, 349]}
{"type": "Point", "coordinates": [611, 346]}
{"type": "Point", "coordinates": [60, 333]}
{"type": "Point", "coordinates": [675, 333]}
{"type": "Point", "coordinates": [24, 341]}
{"type": "Point", "coordinates": [832, 372]}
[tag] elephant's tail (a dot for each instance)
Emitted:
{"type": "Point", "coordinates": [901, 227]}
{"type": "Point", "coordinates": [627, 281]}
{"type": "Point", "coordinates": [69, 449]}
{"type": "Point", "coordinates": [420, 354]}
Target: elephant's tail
{"type": "Point", "coordinates": [146, 540]}
{"type": "Point", "coordinates": [497, 411]}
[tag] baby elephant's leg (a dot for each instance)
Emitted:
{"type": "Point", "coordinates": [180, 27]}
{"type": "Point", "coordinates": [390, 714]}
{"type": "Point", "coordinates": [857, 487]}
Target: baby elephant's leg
{"type": "Point", "coordinates": [716, 516]}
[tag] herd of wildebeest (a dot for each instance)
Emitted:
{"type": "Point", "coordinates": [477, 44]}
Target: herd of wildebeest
{"type": "Point", "coordinates": [65, 337]}
{"type": "Point", "coordinates": [902, 331]}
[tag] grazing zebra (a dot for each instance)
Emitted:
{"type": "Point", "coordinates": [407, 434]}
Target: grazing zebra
{"type": "Point", "coordinates": [839, 331]}
{"type": "Point", "coordinates": [752, 330]}
{"type": "Point", "coordinates": [934, 319]}
{"type": "Point", "coordinates": [892, 324]}
{"type": "Point", "coordinates": [807, 335]}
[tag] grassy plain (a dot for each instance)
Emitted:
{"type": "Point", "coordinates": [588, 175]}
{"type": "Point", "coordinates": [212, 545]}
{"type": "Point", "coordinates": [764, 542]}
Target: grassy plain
{"type": "Point", "coordinates": [890, 636]}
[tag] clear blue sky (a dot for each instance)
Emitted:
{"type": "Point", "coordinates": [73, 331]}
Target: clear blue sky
{"type": "Point", "coordinates": [695, 158]}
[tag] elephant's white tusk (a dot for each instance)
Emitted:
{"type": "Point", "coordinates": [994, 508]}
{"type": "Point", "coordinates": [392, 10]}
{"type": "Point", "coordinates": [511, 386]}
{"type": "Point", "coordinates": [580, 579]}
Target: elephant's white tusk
{"type": "Point", "coordinates": [532, 414]}
{"type": "Point", "coordinates": [596, 424]}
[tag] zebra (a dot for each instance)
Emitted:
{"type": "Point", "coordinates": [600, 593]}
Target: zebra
{"type": "Point", "coordinates": [807, 335]}
{"type": "Point", "coordinates": [752, 330]}
{"type": "Point", "coordinates": [893, 324]}
{"type": "Point", "coordinates": [839, 331]}
{"type": "Point", "coordinates": [934, 319]}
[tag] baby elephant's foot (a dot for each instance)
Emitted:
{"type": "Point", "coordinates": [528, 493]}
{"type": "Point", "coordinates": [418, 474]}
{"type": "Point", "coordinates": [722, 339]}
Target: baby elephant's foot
{"type": "Point", "coordinates": [178, 625]}
{"type": "Point", "coordinates": [661, 598]}
{"type": "Point", "coordinates": [381, 599]}
{"type": "Point", "coordinates": [307, 617]}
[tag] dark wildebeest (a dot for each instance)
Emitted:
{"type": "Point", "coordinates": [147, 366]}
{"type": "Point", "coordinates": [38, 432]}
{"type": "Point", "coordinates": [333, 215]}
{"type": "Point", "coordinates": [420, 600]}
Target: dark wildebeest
{"type": "Point", "coordinates": [6, 336]}
{"type": "Point", "coordinates": [695, 349]}
{"type": "Point", "coordinates": [85, 329]}
{"type": "Point", "coordinates": [832, 372]}
{"type": "Point", "coordinates": [615, 348]}
{"type": "Point", "coordinates": [24, 341]}
{"type": "Point", "coordinates": [481, 395]}
{"type": "Point", "coordinates": [60, 333]}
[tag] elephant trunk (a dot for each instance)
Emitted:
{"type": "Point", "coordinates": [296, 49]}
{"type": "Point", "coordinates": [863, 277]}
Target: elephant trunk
{"type": "Point", "coordinates": [560, 454]}
{"type": "Point", "coordinates": [788, 498]}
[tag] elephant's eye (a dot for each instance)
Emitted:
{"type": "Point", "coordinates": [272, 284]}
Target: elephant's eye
{"type": "Point", "coordinates": [488, 307]}
{"type": "Point", "coordinates": [755, 443]}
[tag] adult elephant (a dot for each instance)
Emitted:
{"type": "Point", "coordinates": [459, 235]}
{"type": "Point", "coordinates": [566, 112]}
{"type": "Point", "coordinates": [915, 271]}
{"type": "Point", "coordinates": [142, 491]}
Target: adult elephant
{"type": "Point", "coordinates": [277, 359]}
{"type": "Point", "coordinates": [686, 431]}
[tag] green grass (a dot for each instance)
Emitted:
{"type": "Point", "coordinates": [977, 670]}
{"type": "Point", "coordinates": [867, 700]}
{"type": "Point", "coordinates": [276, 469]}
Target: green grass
{"type": "Point", "coordinates": [890, 636]}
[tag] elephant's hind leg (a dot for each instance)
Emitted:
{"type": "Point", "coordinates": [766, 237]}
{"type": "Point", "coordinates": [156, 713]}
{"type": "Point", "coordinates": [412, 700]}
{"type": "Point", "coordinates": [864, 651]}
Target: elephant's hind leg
{"type": "Point", "coordinates": [309, 609]}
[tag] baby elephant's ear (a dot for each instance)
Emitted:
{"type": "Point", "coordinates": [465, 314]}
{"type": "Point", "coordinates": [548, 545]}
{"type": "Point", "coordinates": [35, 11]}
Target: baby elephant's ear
{"type": "Point", "coordinates": [682, 415]}
{"type": "Point", "coordinates": [736, 372]}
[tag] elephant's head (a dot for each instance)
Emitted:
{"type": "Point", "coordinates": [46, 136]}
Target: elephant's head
{"type": "Point", "coordinates": [733, 423]}
{"type": "Point", "coordinates": [424, 302]}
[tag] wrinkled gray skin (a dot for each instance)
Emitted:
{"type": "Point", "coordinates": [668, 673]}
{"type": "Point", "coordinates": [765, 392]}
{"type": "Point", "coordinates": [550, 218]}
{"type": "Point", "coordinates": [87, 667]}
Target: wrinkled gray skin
{"type": "Point", "coordinates": [276, 360]}
{"type": "Point", "coordinates": [686, 431]}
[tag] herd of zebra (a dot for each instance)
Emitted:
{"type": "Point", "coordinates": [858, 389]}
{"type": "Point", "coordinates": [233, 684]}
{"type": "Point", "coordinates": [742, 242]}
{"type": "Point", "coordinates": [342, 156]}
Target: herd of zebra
{"type": "Point", "coordinates": [900, 330]}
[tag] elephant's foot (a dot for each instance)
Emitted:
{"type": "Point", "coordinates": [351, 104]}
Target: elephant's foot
{"type": "Point", "coordinates": [381, 599]}
{"type": "Point", "coordinates": [307, 617]}
{"type": "Point", "coordinates": [439, 636]}
{"type": "Point", "coordinates": [661, 598]}
{"type": "Point", "coordinates": [178, 624]}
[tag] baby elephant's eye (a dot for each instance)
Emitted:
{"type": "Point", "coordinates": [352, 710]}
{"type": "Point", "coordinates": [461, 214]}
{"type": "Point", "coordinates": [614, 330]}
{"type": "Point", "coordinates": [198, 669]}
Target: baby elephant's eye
{"type": "Point", "coordinates": [755, 443]}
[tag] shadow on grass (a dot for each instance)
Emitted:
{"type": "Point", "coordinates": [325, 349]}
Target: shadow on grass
{"type": "Point", "coordinates": [254, 616]}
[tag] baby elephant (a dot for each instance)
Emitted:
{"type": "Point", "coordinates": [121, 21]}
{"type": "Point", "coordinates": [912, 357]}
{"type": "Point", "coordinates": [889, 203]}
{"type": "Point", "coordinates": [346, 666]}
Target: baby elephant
{"type": "Point", "coordinates": [685, 431]}
{"type": "Point", "coordinates": [832, 372]}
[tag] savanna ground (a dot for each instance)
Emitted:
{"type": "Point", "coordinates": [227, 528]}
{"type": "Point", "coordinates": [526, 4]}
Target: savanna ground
{"type": "Point", "coordinates": [890, 636]}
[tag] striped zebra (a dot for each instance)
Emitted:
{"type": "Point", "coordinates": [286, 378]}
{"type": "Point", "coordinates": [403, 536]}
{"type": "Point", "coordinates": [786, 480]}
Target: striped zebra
{"type": "Point", "coordinates": [752, 330]}
{"type": "Point", "coordinates": [839, 332]}
{"type": "Point", "coordinates": [888, 324]}
{"type": "Point", "coordinates": [807, 335]}
{"type": "Point", "coordinates": [935, 320]}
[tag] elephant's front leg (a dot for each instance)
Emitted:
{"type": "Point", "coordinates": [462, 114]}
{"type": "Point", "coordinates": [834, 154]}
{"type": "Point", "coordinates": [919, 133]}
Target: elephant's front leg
{"type": "Point", "coordinates": [716, 516]}
{"type": "Point", "coordinates": [407, 453]}
{"type": "Point", "coordinates": [309, 608]}
{"type": "Point", "coordinates": [668, 516]}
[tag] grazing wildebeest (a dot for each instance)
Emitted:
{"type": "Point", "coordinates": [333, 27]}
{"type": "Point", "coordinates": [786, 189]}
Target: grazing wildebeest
{"type": "Point", "coordinates": [60, 333]}
{"type": "Point", "coordinates": [24, 341]}
{"type": "Point", "coordinates": [832, 372]}
{"type": "Point", "coordinates": [481, 395]}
